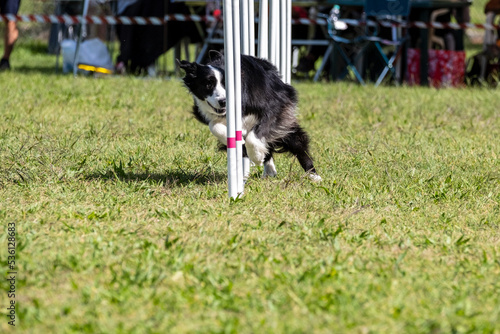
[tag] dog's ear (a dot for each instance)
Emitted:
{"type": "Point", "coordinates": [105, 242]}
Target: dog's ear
{"type": "Point", "coordinates": [189, 68]}
{"type": "Point", "coordinates": [215, 55]}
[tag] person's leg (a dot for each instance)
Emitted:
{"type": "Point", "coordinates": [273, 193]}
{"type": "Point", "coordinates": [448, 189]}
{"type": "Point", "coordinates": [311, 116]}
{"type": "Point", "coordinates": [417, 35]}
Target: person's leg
{"type": "Point", "coordinates": [11, 34]}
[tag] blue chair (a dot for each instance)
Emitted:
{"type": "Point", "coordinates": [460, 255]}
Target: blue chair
{"type": "Point", "coordinates": [393, 14]}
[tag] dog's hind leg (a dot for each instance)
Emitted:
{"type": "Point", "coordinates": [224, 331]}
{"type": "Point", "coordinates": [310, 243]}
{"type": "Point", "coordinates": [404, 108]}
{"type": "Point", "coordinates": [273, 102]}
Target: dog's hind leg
{"type": "Point", "coordinates": [246, 164]}
{"type": "Point", "coordinates": [269, 168]}
{"type": "Point", "coordinates": [256, 148]}
{"type": "Point", "coordinates": [297, 143]}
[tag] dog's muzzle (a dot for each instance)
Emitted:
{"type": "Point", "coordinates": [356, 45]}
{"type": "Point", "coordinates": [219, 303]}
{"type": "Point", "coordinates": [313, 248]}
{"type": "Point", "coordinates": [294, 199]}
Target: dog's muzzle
{"type": "Point", "coordinates": [222, 107]}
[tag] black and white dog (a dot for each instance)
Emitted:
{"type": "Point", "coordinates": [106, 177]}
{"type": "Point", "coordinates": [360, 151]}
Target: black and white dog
{"type": "Point", "coordinates": [268, 110]}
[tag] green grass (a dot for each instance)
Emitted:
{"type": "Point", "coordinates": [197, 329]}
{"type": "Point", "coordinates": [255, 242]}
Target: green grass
{"type": "Point", "coordinates": [124, 225]}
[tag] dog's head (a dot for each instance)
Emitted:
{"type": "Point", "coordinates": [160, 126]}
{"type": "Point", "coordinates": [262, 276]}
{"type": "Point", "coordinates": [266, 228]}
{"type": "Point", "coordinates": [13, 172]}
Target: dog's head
{"type": "Point", "coordinates": [207, 84]}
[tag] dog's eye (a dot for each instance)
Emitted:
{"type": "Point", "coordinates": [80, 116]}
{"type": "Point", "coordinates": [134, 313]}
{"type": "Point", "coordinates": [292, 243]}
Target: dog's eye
{"type": "Point", "coordinates": [211, 83]}
{"type": "Point", "coordinates": [210, 86]}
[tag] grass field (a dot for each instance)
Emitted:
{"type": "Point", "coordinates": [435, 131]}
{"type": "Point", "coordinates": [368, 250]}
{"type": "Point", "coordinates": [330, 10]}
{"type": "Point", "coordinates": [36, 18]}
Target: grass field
{"type": "Point", "coordinates": [124, 226]}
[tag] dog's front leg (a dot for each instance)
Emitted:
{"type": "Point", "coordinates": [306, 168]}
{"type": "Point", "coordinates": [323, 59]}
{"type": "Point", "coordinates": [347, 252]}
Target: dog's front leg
{"type": "Point", "coordinates": [219, 130]}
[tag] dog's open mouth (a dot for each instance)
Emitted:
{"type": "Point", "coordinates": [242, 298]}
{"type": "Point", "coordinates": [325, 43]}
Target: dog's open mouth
{"type": "Point", "coordinates": [218, 111]}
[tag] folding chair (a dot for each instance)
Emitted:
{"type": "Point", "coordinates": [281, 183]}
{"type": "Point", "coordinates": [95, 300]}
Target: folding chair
{"type": "Point", "coordinates": [336, 28]}
{"type": "Point", "coordinates": [393, 14]}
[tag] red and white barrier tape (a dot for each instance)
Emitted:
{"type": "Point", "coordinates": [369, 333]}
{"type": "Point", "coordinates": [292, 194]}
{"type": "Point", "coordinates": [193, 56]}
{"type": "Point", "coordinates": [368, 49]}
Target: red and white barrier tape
{"type": "Point", "coordinates": [137, 20]}
{"type": "Point", "coordinates": [426, 25]}
{"type": "Point", "coordinates": [112, 20]}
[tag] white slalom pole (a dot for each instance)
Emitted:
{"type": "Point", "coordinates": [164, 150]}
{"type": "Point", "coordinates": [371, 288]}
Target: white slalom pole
{"type": "Point", "coordinates": [237, 85]}
{"type": "Point", "coordinates": [282, 39]}
{"type": "Point", "coordinates": [245, 33]}
{"type": "Point", "coordinates": [273, 33]}
{"type": "Point", "coordinates": [248, 48]}
{"type": "Point", "coordinates": [277, 44]}
{"type": "Point", "coordinates": [251, 26]}
{"type": "Point", "coordinates": [288, 64]}
{"type": "Point", "coordinates": [263, 48]}
{"type": "Point", "coordinates": [230, 100]}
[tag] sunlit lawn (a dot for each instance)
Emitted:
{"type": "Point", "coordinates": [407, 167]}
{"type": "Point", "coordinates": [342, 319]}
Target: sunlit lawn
{"type": "Point", "coordinates": [124, 225]}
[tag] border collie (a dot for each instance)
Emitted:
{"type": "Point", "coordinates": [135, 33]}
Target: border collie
{"type": "Point", "coordinates": [268, 110]}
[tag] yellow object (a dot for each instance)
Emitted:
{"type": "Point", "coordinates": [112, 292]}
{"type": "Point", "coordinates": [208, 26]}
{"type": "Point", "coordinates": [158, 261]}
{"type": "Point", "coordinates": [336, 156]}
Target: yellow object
{"type": "Point", "coordinates": [94, 69]}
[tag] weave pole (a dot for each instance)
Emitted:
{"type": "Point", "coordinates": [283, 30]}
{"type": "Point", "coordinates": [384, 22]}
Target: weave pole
{"type": "Point", "coordinates": [239, 37]}
{"type": "Point", "coordinates": [247, 27]}
{"type": "Point", "coordinates": [282, 55]}
{"type": "Point", "coordinates": [279, 37]}
{"type": "Point", "coordinates": [263, 48]}
{"type": "Point", "coordinates": [245, 32]}
{"type": "Point", "coordinates": [288, 37]}
{"type": "Point", "coordinates": [251, 28]}
{"type": "Point", "coordinates": [232, 43]}
{"type": "Point", "coordinates": [282, 41]}
{"type": "Point", "coordinates": [237, 95]}
{"type": "Point", "coordinates": [230, 99]}
{"type": "Point", "coordinates": [274, 32]}
{"type": "Point", "coordinates": [248, 48]}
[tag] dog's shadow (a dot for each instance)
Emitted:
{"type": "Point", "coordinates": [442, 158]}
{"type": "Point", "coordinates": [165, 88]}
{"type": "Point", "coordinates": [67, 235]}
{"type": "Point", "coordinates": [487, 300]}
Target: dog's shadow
{"type": "Point", "coordinates": [171, 178]}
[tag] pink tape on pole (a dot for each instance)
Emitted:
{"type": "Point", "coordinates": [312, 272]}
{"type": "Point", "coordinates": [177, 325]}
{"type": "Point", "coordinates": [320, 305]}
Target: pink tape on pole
{"type": "Point", "coordinates": [231, 142]}
{"type": "Point", "coordinates": [239, 136]}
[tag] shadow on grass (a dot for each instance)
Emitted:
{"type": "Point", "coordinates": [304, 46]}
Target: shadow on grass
{"type": "Point", "coordinates": [45, 70]}
{"type": "Point", "coordinates": [175, 178]}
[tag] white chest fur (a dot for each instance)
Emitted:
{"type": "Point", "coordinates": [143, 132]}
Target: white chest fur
{"type": "Point", "coordinates": [206, 110]}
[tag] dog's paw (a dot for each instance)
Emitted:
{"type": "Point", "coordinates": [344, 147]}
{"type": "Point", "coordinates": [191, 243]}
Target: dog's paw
{"type": "Point", "coordinates": [314, 177]}
{"type": "Point", "coordinates": [269, 172]}
{"type": "Point", "coordinates": [269, 169]}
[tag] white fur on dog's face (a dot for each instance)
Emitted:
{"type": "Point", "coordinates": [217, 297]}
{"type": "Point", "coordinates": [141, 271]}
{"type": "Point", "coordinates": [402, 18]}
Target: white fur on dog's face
{"type": "Point", "coordinates": [210, 97]}
{"type": "Point", "coordinates": [218, 97]}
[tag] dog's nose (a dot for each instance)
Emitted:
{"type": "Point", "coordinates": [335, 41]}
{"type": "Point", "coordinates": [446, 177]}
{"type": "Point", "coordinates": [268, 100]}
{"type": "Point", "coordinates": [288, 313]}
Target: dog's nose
{"type": "Point", "coordinates": [222, 103]}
